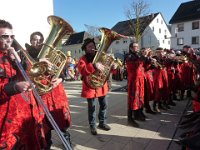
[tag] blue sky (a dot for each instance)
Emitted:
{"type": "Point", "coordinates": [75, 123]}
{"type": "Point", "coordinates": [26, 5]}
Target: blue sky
{"type": "Point", "coordinates": [106, 13]}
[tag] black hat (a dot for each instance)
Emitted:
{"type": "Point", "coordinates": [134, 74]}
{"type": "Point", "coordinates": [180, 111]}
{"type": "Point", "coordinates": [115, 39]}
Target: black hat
{"type": "Point", "coordinates": [87, 41]}
{"type": "Point", "coordinates": [159, 49]}
{"type": "Point", "coordinates": [186, 46]}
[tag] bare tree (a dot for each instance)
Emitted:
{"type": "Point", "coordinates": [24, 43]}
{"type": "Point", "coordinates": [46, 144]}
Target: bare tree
{"type": "Point", "coordinates": [92, 30]}
{"type": "Point", "coordinates": [137, 10]}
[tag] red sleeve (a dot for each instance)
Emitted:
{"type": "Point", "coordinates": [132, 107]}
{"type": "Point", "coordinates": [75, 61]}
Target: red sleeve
{"type": "Point", "coordinates": [85, 68]}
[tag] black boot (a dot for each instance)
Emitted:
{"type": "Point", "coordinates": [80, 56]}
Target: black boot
{"type": "Point", "coordinates": [175, 97]}
{"type": "Point", "coordinates": [141, 113]}
{"type": "Point", "coordinates": [160, 106]}
{"type": "Point", "coordinates": [131, 121]}
{"type": "Point", "coordinates": [67, 136]}
{"type": "Point", "coordinates": [138, 116]}
{"type": "Point", "coordinates": [189, 93]}
{"type": "Point", "coordinates": [182, 94]}
{"type": "Point", "coordinates": [188, 120]}
{"type": "Point", "coordinates": [129, 114]}
{"type": "Point", "coordinates": [192, 141]}
{"type": "Point", "coordinates": [48, 140]}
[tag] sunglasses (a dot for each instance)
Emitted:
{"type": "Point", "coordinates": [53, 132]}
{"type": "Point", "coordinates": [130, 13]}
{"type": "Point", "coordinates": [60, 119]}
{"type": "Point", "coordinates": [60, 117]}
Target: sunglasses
{"type": "Point", "coordinates": [5, 36]}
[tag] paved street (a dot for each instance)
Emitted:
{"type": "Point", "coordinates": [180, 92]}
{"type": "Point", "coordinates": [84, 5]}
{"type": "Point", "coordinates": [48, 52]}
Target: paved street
{"type": "Point", "coordinates": [155, 133]}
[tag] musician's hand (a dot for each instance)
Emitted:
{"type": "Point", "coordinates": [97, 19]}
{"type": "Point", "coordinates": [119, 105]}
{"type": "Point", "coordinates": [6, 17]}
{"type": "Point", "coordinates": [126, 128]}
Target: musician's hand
{"type": "Point", "coordinates": [45, 60]}
{"type": "Point", "coordinates": [22, 86]}
{"type": "Point", "coordinates": [99, 66]}
{"type": "Point", "coordinates": [146, 52]}
{"type": "Point", "coordinates": [50, 65]}
{"type": "Point", "coordinates": [153, 60]}
{"type": "Point", "coordinates": [55, 82]}
{"type": "Point", "coordinates": [13, 54]}
{"type": "Point", "coordinates": [114, 66]}
{"type": "Point", "coordinates": [173, 70]}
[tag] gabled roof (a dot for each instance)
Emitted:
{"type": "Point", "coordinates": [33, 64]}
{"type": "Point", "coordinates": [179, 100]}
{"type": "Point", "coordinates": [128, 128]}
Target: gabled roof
{"type": "Point", "coordinates": [169, 28]}
{"type": "Point", "coordinates": [124, 27]}
{"type": "Point", "coordinates": [75, 38]}
{"type": "Point", "coordinates": [186, 12]}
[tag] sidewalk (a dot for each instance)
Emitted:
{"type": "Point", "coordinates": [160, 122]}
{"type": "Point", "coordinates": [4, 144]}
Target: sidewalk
{"type": "Point", "coordinates": [155, 133]}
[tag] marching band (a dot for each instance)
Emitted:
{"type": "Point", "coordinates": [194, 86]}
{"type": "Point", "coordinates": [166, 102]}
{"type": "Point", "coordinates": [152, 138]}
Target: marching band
{"type": "Point", "coordinates": [153, 76]}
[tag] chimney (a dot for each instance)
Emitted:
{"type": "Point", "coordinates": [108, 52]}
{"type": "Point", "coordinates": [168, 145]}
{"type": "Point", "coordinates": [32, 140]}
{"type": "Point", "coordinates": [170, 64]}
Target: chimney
{"type": "Point", "coordinates": [152, 15]}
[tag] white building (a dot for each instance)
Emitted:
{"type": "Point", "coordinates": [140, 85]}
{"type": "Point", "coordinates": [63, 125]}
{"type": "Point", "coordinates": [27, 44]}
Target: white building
{"type": "Point", "coordinates": [155, 33]}
{"type": "Point", "coordinates": [27, 16]}
{"type": "Point", "coordinates": [185, 27]}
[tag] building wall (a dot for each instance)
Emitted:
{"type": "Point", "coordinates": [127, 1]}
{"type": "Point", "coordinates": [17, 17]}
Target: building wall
{"type": "Point", "coordinates": [27, 16]}
{"type": "Point", "coordinates": [120, 46]}
{"type": "Point", "coordinates": [187, 35]}
{"type": "Point", "coordinates": [158, 33]}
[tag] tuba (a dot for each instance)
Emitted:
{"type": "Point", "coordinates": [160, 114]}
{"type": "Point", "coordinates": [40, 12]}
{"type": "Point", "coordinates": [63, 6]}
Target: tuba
{"type": "Point", "coordinates": [40, 72]}
{"type": "Point", "coordinates": [98, 78]}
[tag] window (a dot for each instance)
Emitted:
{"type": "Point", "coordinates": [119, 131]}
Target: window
{"type": "Point", "coordinates": [117, 42]}
{"type": "Point", "coordinates": [159, 30]}
{"type": "Point", "coordinates": [195, 25]}
{"type": "Point", "coordinates": [180, 41]}
{"type": "Point", "coordinates": [163, 41]}
{"type": "Point", "coordinates": [153, 28]}
{"type": "Point", "coordinates": [180, 27]}
{"type": "Point", "coordinates": [161, 21]}
{"type": "Point", "coordinates": [157, 20]}
{"type": "Point", "coordinates": [79, 51]}
{"type": "Point", "coordinates": [124, 41]}
{"type": "Point", "coordinates": [195, 40]}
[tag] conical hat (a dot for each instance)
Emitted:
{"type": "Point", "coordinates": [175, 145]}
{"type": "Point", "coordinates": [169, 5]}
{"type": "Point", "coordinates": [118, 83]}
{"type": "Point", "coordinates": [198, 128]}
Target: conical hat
{"type": "Point", "coordinates": [68, 53]}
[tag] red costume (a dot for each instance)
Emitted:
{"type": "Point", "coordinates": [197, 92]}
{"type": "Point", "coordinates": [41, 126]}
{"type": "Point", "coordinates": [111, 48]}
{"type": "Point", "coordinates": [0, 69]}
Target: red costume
{"type": "Point", "coordinates": [19, 120]}
{"type": "Point", "coordinates": [161, 83]}
{"type": "Point", "coordinates": [188, 77]}
{"type": "Point", "coordinates": [171, 75]}
{"type": "Point", "coordinates": [135, 72]}
{"type": "Point", "coordinates": [149, 82]}
{"type": "Point", "coordinates": [57, 103]}
{"type": "Point", "coordinates": [86, 68]}
{"type": "Point", "coordinates": [177, 76]}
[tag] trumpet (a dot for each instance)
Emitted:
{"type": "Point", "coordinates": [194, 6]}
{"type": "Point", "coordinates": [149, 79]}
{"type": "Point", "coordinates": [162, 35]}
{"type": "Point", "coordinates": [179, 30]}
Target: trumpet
{"type": "Point", "coordinates": [192, 59]}
{"type": "Point", "coordinates": [181, 58]}
{"type": "Point", "coordinates": [154, 61]}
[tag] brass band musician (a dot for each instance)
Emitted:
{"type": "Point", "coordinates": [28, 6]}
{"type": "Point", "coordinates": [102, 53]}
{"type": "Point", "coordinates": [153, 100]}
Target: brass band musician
{"type": "Point", "coordinates": [135, 69]}
{"type": "Point", "coordinates": [86, 67]}
{"type": "Point", "coordinates": [56, 99]}
{"type": "Point", "coordinates": [20, 124]}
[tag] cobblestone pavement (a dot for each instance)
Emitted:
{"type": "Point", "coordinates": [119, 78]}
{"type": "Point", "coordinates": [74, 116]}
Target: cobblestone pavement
{"type": "Point", "coordinates": [155, 133]}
